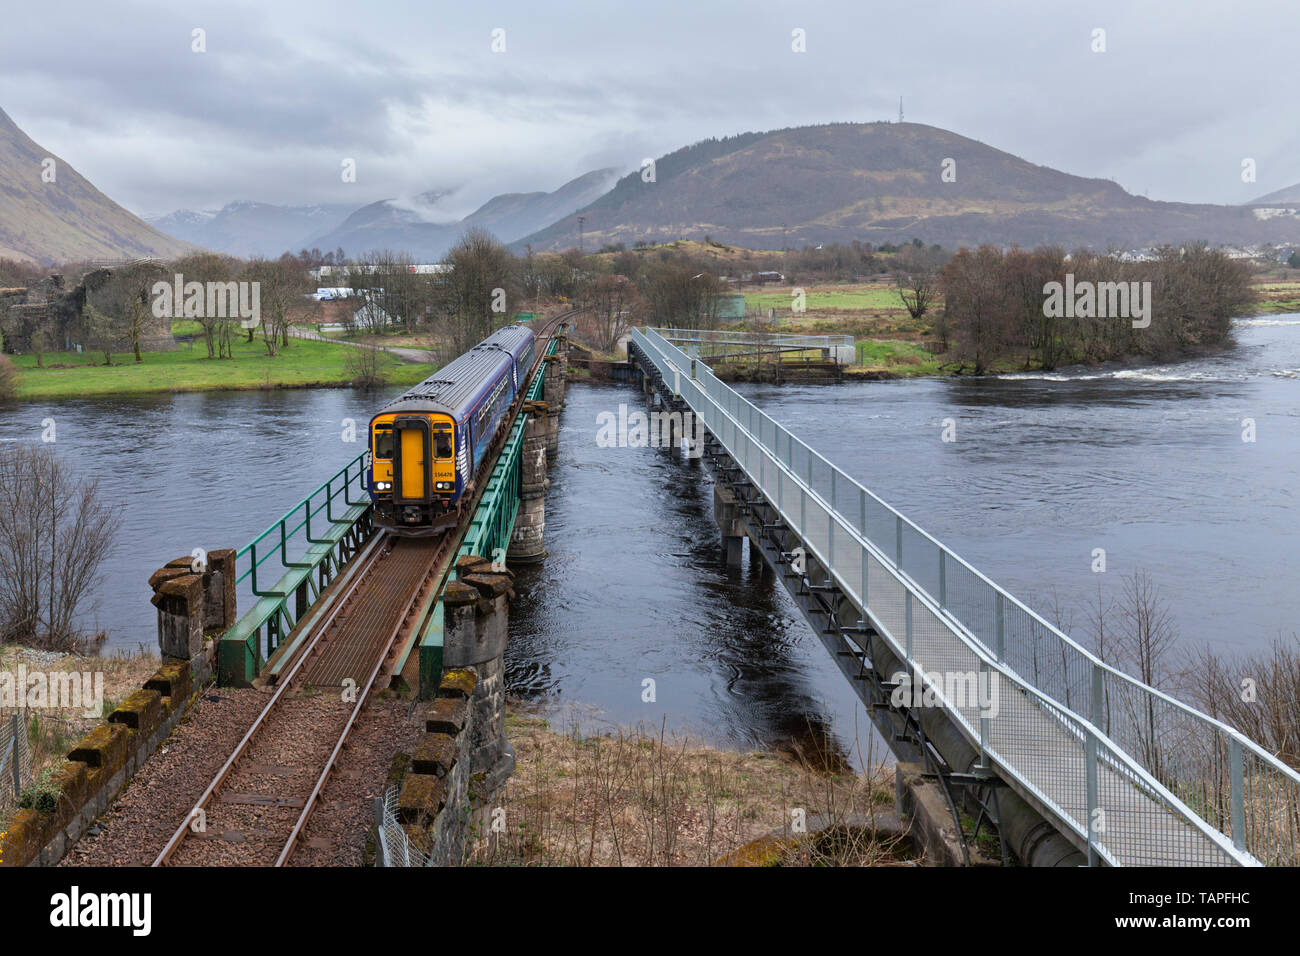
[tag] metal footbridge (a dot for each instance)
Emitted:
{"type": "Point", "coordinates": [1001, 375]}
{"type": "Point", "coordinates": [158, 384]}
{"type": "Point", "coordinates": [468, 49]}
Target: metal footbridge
{"type": "Point", "coordinates": [1128, 774]}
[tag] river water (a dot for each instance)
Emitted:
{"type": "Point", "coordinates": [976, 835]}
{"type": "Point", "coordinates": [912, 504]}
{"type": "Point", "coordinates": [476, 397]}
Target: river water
{"type": "Point", "coordinates": [1147, 463]}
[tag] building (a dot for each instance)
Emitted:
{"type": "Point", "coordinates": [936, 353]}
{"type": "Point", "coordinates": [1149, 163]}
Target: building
{"type": "Point", "coordinates": [52, 308]}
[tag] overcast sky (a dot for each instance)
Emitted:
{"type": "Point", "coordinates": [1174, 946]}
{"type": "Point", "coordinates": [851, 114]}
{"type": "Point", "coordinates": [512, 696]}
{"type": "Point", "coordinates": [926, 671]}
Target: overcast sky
{"type": "Point", "coordinates": [412, 91]}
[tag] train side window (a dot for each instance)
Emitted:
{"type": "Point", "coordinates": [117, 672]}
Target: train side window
{"type": "Point", "coordinates": [384, 443]}
{"type": "Point", "coordinates": [442, 443]}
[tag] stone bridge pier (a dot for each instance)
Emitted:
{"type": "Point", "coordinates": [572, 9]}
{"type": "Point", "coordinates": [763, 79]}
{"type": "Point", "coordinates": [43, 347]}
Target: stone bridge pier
{"type": "Point", "coordinates": [528, 540]}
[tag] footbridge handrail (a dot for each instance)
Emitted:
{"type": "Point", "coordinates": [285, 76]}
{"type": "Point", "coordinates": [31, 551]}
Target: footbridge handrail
{"type": "Point", "coordinates": [725, 337]}
{"type": "Point", "coordinates": [1219, 782]}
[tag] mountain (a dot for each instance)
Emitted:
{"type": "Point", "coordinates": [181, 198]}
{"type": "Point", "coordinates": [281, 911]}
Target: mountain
{"type": "Point", "coordinates": [246, 228]}
{"type": "Point", "coordinates": [883, 182]}
{"type": "Point", "coordinates": [67, 219]}
{"type": "Point", "coordinates": [1282, 197]}
{"type": "Point", "coordinates": [418, 227]}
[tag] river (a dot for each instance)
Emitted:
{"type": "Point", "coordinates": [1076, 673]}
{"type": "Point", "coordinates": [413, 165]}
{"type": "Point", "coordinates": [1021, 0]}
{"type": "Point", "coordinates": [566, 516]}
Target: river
{"type": "Point", "coordinates": [1147, 463]}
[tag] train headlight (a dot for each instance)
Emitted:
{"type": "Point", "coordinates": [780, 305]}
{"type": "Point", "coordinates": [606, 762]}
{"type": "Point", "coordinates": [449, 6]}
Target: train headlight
{"type": "Point", "coordinates": [383, 485]}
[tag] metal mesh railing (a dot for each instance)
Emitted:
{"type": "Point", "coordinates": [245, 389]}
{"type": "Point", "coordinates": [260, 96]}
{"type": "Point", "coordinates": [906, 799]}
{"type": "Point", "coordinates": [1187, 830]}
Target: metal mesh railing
{"type": "Point", "coordinates": [1172, 784]}
{"type": "Point", "coordinates": [705, 337]}
{"type": "Point", "coordinates": [15, 760]}
{"type": "Point", "coordinates": [392, 846]}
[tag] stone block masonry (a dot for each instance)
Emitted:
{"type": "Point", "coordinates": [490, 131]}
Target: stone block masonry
{"type": "Point", "coordinates": [98, 768]}
{"type": "Point", "coordinates": [191, 605]}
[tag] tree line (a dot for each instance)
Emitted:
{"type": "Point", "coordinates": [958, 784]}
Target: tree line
{"type": "Point", "coordinates": [1045, 309]}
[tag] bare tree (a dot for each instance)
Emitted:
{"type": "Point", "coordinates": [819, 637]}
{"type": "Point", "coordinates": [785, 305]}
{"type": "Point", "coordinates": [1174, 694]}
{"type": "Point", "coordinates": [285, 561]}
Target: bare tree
{"type": "Point", "coordinates": [280, 284]}
{"type": "Point", "coordinates": [206, 267]}
{"type": "Point", "coordinates": [54, 535]}
{"type": "Point", "coordinates": [481, 288]}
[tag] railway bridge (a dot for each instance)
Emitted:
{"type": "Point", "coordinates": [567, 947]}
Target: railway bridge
{"type": "Point", "coordinates": [994, 715]}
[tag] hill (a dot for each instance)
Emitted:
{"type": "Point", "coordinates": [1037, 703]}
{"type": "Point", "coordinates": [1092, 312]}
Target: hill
{"type": "Point", "coordinates": [67, 219]}
{"type": "Point", "coordinates": [246, 228]}
{"type": "Point", "coordinates": [413, 226]}
{"type": "Point", "coordinates": [882, 182]}
{"type": "Point", "coordinates": [1280, 197]}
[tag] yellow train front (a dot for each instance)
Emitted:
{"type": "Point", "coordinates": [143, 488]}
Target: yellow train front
{"type": "Point", "coordinates": [426, 446]}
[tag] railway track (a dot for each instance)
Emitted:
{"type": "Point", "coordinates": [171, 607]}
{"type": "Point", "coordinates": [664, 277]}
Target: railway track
{"type": "Point", "coordinates": [256, 808]}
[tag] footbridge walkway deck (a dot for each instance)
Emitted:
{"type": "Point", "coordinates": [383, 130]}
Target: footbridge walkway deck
{"type": "Point", "coordinates": [1127, 773]}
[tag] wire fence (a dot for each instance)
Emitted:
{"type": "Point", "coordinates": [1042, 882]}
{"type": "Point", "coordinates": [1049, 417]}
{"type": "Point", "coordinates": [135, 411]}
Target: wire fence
{"type": "Point", "coordinates": [393, 848]}
{"type": "Point", "coordinates": [15, 760]}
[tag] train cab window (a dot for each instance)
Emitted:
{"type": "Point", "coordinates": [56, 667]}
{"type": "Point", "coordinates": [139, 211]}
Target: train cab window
{"type": "Point", "coordinates": [442, 443]}
{"type": "Point", "coordinates": [384, 443]}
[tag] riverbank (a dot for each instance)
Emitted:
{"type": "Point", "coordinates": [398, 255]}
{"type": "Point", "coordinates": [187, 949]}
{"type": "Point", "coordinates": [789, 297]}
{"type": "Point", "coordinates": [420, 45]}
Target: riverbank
{"type": "Point", "coordinates": [644, 797]}
{"type": "Point", "coordinates": [51, 731]}
{"type": "Point", "coordinates": [302, 363]}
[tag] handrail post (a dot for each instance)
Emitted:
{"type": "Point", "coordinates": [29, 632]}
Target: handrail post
{"type": "Point", "coordinates": [943, 579]}
{"type": "Point", "coordinates": [252, 570]}
{"type": "Point", "coordinates": [862, 507]}
{"type": "Point", "coordinates": [329, 498]}
{"type": "Point", "coordinates": [1094, 823]}
{"type": "Point", "coordinates": [1002, 628]}
{"type": "Point", "coordinates": [898, 541]}
{"type": "Point", "coordinates": [909, 627]}
{"type": "Point", "coordinates": [866, 563]}
{"type": "Point", "coordinates": [1098, 697]}
{"type": "Point", "coordinates": [1236, 767]}
{"type": "Point", "coordinates": [984, 767]}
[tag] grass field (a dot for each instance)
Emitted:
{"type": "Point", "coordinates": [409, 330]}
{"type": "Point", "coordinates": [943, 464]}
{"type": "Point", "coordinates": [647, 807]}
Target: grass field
{"type": "Point", "coordinates": [873, 298]}
{"type": "Point", "coordinates": [301, 364]}
{"type": "Point", "coordinates": [900, 358]}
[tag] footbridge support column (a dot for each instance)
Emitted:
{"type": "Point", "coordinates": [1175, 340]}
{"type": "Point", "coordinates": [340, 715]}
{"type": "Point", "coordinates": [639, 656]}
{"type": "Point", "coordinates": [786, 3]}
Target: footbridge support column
{"type": "Point", "coordinates": [528, 540]}
{"type": "Point", "coordinates": [726, 512]}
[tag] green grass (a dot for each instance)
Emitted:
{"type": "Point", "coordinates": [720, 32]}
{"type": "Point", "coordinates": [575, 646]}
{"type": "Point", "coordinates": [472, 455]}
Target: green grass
{"type": "Point", "coordinates": [850, 298]}
{"type": "Point", "coordinates": [301, 364]}
{"type": "Point", "coordinates": [900, 358]}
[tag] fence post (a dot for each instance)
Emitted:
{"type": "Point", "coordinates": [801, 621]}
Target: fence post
{"type": "Point", "coordinates": [898, 541]}
{"type": "Point", "coordinates": [1236, 768]}
{"type": "Point", "coordinates": [18, 726]}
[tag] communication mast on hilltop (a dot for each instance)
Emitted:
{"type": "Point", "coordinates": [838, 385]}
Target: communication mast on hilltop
{"type": "Point", "coordinates": [581, 220]}
{"type": "Point", "coordinates": [900, 109]}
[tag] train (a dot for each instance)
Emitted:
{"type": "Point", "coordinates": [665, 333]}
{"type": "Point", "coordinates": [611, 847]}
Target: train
{"type": "Point", "coordinates": [426, 445]}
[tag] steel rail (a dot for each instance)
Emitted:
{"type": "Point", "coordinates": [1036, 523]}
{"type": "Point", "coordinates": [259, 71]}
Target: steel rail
{"type": "Point", "coordinates": [404, 623]}
{"type": "Point", "coordinates": [369, 557]}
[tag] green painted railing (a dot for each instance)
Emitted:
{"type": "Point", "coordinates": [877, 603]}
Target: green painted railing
{"type": "Point", "coordinates": [312, 541]}
{"type": "Point", "coordinates": [305, 548]}
{"type": "Point", "coordinates": [488, 532]}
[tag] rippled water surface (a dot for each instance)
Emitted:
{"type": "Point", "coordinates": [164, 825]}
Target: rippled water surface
{"type": "Point", "coordinates": [1147, 463]}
